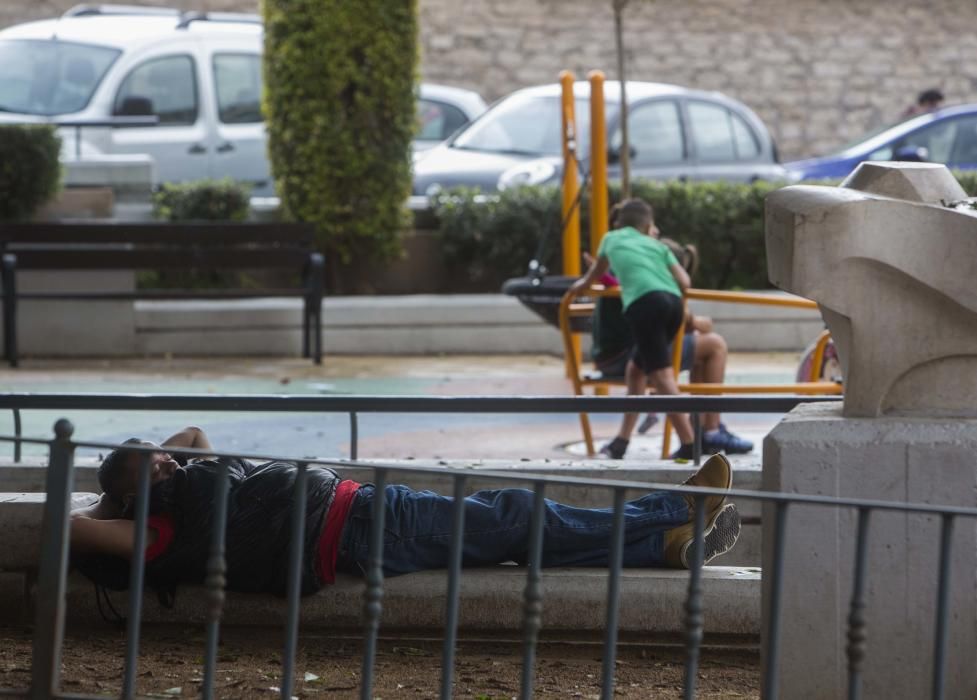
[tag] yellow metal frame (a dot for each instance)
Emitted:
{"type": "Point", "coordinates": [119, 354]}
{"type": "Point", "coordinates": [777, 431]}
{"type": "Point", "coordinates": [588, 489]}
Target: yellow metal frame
{"type": "Point", "coordinates": [570, 308]}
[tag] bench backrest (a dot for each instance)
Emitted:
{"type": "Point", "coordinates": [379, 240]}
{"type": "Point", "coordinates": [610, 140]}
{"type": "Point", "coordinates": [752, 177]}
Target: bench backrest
{"type": "Point", "coordinates": [111, 245]}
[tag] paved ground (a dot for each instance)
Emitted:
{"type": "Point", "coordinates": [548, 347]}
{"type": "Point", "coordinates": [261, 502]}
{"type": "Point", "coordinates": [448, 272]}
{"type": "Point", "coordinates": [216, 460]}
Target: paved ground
{"type": "Point", "coordinates": [381, 435]}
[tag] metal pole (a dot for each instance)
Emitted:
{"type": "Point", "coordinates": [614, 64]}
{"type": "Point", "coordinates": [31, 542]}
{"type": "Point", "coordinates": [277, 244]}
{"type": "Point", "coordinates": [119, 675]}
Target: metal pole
{"type": "Point", "coordinates": [137, 567]}
{"type": "Point", "coordinates": [49, 618]}
{"type": "Point", "coordinates": [942, 608]}
{"type": "Point", "coordinates": [770, 673]}
{"type": "Point", "coordinates": [571, 186]}
{"type": "Point", "coordinates": [532, 614]}
{"type": "Point", "coordinates": [294, 581]}
{"type": "Point", "coordinates": [856, 613]}
{"type": "Point", "coordinates": [598, 161]}
{"type": "Point", "coordinates": [613, 596]}
{"type": "Point", "coordinates": [693, 603]}
{"type": "Point", "coordinates": [373, 596]}
{"type": "Point", "coordinates": [354, 436]}
{"type": "Point", "coordinates": [18, 431]}
{"type": "Point", "coordinates": [216, 579]}
{"type": "Point", "coordinates": [625, 154]}
{"type": "Point", "coordinates": [696, 438]}
{"type": "Point", "coordinates": [454, 586]}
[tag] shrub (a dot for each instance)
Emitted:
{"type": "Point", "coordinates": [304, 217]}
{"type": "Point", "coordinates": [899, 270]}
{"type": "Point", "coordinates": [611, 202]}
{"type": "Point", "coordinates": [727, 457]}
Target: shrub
{"type": "Point", "coordinates": [202, 200]}
{"type": "Point", "coordinates": [339, 103]}
{"type": "Point", "coordinates": [30, 171]}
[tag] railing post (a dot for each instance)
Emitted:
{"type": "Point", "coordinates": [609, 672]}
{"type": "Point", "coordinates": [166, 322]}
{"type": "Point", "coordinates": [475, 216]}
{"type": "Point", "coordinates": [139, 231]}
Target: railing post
{"type": "Point", "coordinates": [137, 569]}
{"type": "Point", "coordinates": [942, 608]}
{"type": "Point", "coordinates": [294, 581]}
{"type": "Point", "coordinates": [772, 644]}
{"type": "Point", "coordinates": [533, 595]}
{"type": "Point", "coordinates": [613, 596]}
{"type": "Point", "coordinates": [856, 613]}
{"type": "Point", "coordinates": [696, 438]}
{"type": "Point", "coordinates": [354, 436]}
{"type": "Point", "coordinates": [55, 533]}
{"type": "Point", "coordinates": [693, 603]}
{"type": "Point", "coordinates": [373, 596]}
{"type": "Point", "coordinates": [18, 430]}
{"type": "Point", "coordinates": [454, 588]}
{"type": "Point", "coordinates": [216, 579]}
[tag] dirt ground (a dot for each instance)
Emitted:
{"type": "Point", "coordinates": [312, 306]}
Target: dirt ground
{"type": "Point", "coordinates": [249, 666]}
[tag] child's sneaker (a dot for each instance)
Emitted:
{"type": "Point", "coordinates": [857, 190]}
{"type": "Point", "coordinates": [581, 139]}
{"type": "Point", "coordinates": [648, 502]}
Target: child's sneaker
{"type": "Point", "coordinates": [722, 440]}
{"type": "Point", "coordinates": [615, 449]}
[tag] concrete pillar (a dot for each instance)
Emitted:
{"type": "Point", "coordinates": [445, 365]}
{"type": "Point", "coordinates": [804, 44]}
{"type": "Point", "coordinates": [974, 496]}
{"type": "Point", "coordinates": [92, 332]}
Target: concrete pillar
{"type": "Point", "coordinates": [815, 450]}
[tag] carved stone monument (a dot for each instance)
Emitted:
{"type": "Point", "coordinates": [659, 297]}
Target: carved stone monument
{"type": "Point", "coordinates": [891, 258]}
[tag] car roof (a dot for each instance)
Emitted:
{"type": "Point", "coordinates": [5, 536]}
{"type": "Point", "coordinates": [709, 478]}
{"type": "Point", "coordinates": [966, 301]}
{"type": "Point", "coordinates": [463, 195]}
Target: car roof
{"type": "Point", "coordinates": [122, 31]}
{"type": "Point", "coordinates": [469, 101]}
{"type": "Point", "coordinates": [636, 89]}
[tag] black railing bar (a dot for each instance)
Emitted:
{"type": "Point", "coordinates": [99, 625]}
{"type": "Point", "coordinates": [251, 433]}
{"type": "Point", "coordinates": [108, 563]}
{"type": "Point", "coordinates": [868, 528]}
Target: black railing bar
{"type": "Point", "coordinates": [856, 613]}
{"type": "Point", "coordinates": [532, 611]}
{"type": "Point", "coordinates": [693, 601]}
{"type": "Point", "coordinates": [373, 594]}
{"type": "Point", "coordinates": [18, 431]}
{"type": "Point", "coordinates": [942, 609]}
{"type": "Point", "coordinates": [48, 638]}
{"type": "Point", "coordinates": [696, 439]}
{"type": "Point", "coordinates": [136, 575]}
{"type": "Point", "coordinates": [614, 566]}
{"type": "Point", "coordinates": [216, 581]}
{"type": "Point", "coordinates": [354, 436]}
{"type": "Point", "coordinates": [27, 440]}
{"type": "Point", "coordinates": [454, 588]}
{"type": "Point", "coordinates": [375, 403]}
{"type": "Point", "coordinates": [294, 582]}
{"type": "Point", "coordinates": [771, 669]}
{"type": "Point", "coordinates": [799, 498]}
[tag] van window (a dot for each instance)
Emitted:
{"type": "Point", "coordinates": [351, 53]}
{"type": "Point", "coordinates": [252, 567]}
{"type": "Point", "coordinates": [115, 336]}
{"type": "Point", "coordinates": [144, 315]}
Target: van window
{"type": "Point", "coordinates": [166, 87]}
{"type": "Point", "coordinates": [237, 79]}
{"type": "Point", "coordinates": [438, 120]}
{"type": "Point", "coordinates": [712, 132]}
{"type": "Point", "coordinates": [655, 133]}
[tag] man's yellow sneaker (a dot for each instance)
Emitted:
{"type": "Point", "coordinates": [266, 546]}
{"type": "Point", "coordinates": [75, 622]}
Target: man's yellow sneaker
{"type": "Point", "coordinates": [722, 529]}
{"type": "Point", "coordinates": [716, 473]}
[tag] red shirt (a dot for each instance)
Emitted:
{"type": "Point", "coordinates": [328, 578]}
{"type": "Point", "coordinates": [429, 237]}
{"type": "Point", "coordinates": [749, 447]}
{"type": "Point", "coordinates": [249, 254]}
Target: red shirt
{"type": "Point", "coordinates": [328, 549]}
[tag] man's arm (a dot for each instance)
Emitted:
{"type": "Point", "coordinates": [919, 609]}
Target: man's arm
{"type": "Point", "coordinates": [114, 537]}
{"type": "Point", "coordinates": [190, 437]}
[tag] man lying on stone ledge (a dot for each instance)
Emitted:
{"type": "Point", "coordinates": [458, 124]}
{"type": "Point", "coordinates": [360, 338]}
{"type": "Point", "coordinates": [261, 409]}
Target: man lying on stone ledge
{"type": "Point", "coordinates": [658, 526]}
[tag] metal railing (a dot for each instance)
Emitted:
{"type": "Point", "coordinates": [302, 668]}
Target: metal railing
{"type": "Point", "coordinates": [50, 610]}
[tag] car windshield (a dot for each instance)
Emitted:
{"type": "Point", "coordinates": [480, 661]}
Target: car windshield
{"type": "Point", "coordinates": [526, 125]}
{"type": "Point", "coordinates": [867, 136]}
{"type": "Point", "coordinates": [48, 77]}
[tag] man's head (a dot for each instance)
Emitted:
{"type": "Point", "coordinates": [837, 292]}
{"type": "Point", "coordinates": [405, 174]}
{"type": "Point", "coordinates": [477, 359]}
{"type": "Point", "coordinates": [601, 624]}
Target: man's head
{"type": "Point", "coordinates": [118, 475]}
{"type": "Point", "coordinates": [638, 214]}
{"type": "Point", "coordinates": [930, 99]}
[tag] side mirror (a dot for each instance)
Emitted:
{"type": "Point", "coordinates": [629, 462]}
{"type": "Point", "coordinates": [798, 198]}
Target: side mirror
{"type": "Point", "coordinates": [135, 106]}
{"type": "Point", "coordinates": [912, 154]}
{"type": "Point", "coordinates": [614, 154]}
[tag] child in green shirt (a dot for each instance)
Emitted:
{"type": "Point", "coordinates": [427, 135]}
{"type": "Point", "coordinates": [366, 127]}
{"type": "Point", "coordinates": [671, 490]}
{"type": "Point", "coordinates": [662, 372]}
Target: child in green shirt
{"type": "Point", "coordinates": [652, 282]}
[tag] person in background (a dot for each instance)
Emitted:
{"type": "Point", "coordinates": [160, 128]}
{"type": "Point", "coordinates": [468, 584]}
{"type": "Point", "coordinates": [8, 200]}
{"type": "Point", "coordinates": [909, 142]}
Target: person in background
{"type": "Point", "coordinates": [927, 101]}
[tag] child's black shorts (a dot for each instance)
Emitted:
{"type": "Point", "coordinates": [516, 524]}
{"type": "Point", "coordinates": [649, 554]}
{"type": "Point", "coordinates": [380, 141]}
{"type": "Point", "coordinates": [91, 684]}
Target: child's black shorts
{"type": "Point", "coordinates": [655, 318]}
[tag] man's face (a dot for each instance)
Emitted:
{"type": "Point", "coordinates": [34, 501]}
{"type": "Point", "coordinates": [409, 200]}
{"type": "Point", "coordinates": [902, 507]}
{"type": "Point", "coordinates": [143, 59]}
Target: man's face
{"type": "Point", "coordinates": [162, 466]}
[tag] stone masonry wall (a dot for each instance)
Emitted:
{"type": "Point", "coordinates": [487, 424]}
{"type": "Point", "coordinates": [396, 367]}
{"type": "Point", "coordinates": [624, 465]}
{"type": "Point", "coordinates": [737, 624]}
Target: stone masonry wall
{"type": "Point", "coordinates": [818, 72]}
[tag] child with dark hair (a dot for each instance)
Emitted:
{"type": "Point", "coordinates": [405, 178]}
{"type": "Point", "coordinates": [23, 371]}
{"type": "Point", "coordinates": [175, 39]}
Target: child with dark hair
{"type": "Point", "coordinates": [652, 283]}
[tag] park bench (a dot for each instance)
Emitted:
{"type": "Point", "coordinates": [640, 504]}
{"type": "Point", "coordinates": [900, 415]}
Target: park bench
{"type": "Point", "coordinates": [159, 246]}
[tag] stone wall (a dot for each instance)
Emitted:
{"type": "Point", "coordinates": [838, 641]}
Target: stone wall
{"type": "Point", "coordinates": [819, 72]}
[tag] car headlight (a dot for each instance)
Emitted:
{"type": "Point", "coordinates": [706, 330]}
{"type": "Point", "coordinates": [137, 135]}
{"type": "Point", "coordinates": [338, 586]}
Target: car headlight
{"type": "Point", "coordinates": [532, 173]}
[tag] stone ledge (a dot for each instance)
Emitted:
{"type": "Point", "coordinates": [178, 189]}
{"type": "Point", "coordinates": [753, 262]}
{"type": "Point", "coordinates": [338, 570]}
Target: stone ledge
{"type": "Point", "coordinates": [652, 601]}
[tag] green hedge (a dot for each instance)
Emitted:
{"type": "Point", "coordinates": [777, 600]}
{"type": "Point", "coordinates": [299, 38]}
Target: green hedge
{"type": "Point", "coordinates": [340, 110]}
{"type": "Point", "coordinates": [202, 200]}
{"type": "Point", "coordinates": [30, 169]}
{"type": "Point", "coordinates": [496, 240]}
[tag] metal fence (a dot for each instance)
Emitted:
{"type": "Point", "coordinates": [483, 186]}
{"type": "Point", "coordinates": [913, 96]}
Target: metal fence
{"type": "Point", "coordinates": [49, 622]}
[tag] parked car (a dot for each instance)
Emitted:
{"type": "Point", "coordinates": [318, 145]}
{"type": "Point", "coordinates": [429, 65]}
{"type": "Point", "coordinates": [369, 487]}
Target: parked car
{"type": "Point", "coordinates": [675, 133]}
{"type": "Point", "coordinates": [948, 136]}
{"type": "Point", "coordinates": [199, 73]}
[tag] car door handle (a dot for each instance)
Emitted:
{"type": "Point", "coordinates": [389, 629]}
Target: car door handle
{"type": "Point", "coordinates": [225, 147]}
{"type": "Point", "coordinates": [196, 149]}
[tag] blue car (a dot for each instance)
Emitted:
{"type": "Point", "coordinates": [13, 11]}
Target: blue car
{"type": "Point", "coordinates": [947, 136]}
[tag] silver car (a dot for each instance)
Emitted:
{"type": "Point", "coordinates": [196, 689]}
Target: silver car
{"type": "Point", "coordinates": [675, 133]}
{"type": "Point", "coordinates": [198, 73]}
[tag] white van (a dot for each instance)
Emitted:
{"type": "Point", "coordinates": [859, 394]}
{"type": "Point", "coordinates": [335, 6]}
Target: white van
{"type": "Point", "coordinates": [198, 74]}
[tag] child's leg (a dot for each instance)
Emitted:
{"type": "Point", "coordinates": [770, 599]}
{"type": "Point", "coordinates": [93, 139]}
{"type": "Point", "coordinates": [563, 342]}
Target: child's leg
{"type": "Point", "coordinates": [663, 380]}
{"type": "Point", "coordinates": [637, 385]}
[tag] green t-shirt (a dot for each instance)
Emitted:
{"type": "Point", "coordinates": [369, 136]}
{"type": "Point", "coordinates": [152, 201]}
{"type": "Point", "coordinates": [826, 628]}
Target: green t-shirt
{"type": "Point", "coordinates": [641, 263]}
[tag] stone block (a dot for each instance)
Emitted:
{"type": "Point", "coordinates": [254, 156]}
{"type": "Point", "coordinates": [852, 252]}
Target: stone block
{"type": "Point", "coordinates": [817, 451]}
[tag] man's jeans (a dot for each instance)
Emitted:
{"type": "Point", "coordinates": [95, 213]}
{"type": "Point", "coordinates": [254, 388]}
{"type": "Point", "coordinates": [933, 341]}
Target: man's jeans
{"type": "Point", "coordinates": [417, 530]}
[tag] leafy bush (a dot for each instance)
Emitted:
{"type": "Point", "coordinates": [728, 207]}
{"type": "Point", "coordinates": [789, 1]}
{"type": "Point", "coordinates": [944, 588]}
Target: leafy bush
{"type": "Point", "coordinates": [30, 172]}
{"type": "Point", "coordinates": [339, 103]}
{"type": "Point", "coordinates": [202, 200]}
